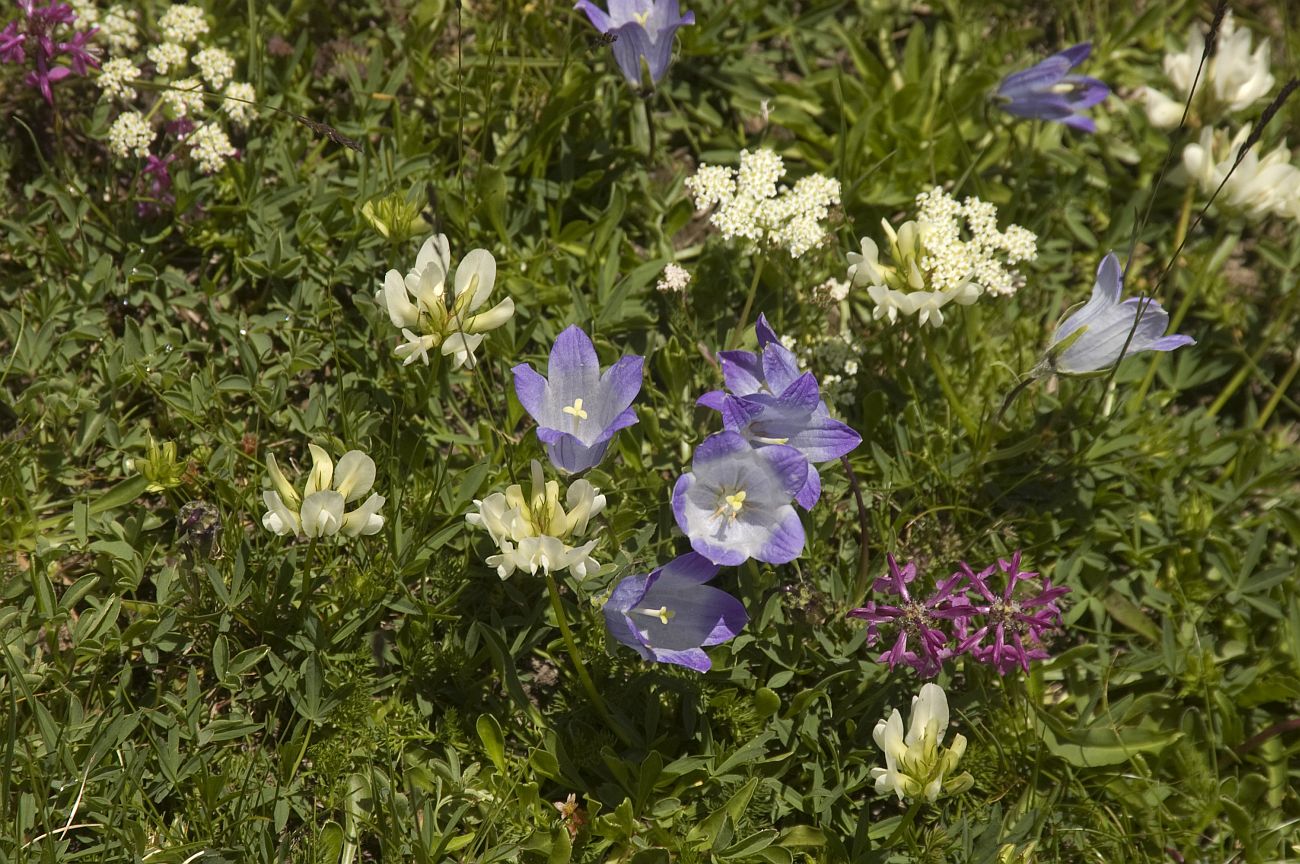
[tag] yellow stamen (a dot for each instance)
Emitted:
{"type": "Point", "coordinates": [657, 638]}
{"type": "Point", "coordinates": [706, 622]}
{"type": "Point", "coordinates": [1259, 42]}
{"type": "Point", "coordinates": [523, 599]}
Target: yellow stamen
{"type": "Point", "coordinates": [641, 17]}
{"type": "Point", "coordinates": [575, 410]}
{"type": "Point", "coordinates": [735, 502]}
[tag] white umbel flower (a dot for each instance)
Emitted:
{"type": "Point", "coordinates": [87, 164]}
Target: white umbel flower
{"type": "Point", "coordinates": [216, 66]}
{"type": "Point", "coordinates": [167, 57]}
{"type": "Point", "coordinates": [236, 105]}
{"type": "Point", "coordinates": [320, 511]}
{"type": "Point", "coordinates": [1235, 78]}
{"type": "Point", "coordinates": [536, 532]}
{"type": "Point", "coordinates": [182, 24]}
{"type": "Point", "coordinates": [116, 77]}
{"type": "Point", "coordinates": [430, 316]}
{"type": "Point", "coordinates": [117, 28]}
{"type": "Point", "coordinates": [185, 97]}
{"type": "Point", "coordinates": [210, 147]}
{"type": "Point", "coordinates": [748, 204]}
{"type": "Point", "coordinates": [130, 133]}
{"type": "Point", "coordinates": [916, 764]}
{"type": "Point", "coordinates": [952, 253]}
{"type": "Point", "coordinates": [675, 279]}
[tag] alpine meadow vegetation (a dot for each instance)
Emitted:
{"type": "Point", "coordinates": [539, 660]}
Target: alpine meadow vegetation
{"type": "Point", "coordinates": [649, 431]}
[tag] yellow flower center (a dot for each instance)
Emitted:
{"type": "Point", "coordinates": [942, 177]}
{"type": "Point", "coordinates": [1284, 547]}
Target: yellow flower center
{"type": "Point", "coordinates": [575, 410]}
{"type": "Point", "coordinates": [642, 17]}
{"type": "Point", "coordinates": [735, 502]}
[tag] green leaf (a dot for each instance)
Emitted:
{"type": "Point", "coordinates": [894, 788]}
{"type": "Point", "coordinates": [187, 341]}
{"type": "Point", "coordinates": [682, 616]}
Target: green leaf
{"type": "Point", "coordinates": [1105, 746]}
{"type": "Point", "coordinates": [489, 732]}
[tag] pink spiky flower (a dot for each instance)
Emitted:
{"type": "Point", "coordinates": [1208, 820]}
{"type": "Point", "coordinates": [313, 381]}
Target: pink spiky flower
{"type": "Point", "coordinates": [1016, 620]}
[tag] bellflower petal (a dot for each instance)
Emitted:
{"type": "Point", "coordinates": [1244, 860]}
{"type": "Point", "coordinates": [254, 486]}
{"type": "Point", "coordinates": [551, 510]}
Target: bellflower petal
{"type": "Point", "coordinates": [1046, 91]}
{"type": "Point", "coordinates": [642, 30]}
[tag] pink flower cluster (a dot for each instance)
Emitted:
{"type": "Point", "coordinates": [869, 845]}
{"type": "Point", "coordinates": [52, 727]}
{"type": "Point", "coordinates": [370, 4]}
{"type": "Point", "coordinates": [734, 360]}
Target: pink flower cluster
{"type": "Point", "coordinates": [964, 615]}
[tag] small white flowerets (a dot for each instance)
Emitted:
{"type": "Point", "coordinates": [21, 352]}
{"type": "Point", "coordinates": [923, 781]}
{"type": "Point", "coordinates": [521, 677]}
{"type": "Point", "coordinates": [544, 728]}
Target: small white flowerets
{"type": "Point", "coordinates": [130, 133]}
{"type": "Point", "coordinates": [182, 24]}
{"type": "Point", "coordinates": [319, 510]}
{"type": "Point", "coordinates": [934, 264]}
{"type": "Point", "coordinates": [1235, 78]}
{"type": "Point", "coordinates": [167, 57]}
{"type": "Point", "coordinates": [185, 98]}
{"type": "Point", "coordinates": [536, 532]}
{"type": "Point", "coordinates": [748, 203]}
{"type": "Point", "coordinates": [237, 107]}
{"type": "Point", "coordinates": [675, 279]}
{"type": "Point", "coordinates": [117, 28]}
{"type": "Point", "coordinates": [1256, 188]}
{"type": "Point", "coordinates": [116, 77]}
{"type": "Point", "coordinates": [421, 302]}
{"type": "Point", "coordinates": [917, 765]}
{"type": "Point", "coordinates": [210, 147]}
{"type": "Point", "coordinates": [216, 66]}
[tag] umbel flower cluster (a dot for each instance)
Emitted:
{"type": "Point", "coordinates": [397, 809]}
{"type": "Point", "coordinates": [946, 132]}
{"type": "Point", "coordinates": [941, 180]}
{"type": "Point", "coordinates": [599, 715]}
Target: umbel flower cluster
{"type": "Point", "coordinates": [749, 205]}
{"type": "Point", "coordinates": [966, 613]}
{"type": "Point", "coordinates": [951, 253]}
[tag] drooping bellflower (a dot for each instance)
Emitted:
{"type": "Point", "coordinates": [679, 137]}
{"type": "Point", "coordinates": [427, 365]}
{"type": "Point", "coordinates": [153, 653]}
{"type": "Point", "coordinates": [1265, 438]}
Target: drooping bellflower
{"type": "Point", "coordinates": [669, 615]}
{"type": "Point", "coordinates": [734, 503]}
{"type": "Point", "coordinates": [772, 403]}
{"type": "Point", "coordinates": [577, 408]}
{"type": "Point", "coordinates": [641, 30]}
{"type": "Point", "coordinates": [1093, 338]}
{"type": "Point", "coordinates": [1046, 90]}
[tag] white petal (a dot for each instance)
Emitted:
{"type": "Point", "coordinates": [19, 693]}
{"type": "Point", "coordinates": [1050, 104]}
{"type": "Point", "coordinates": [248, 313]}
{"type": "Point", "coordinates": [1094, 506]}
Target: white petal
{"type": "Point", "coordinates": [322, 513]}
{"type": "Point", "coordinates": [365, 519]}
{"type": "Point", "coordinates": [477, 274]}
{"type": "Point", "coordinates": [355, 475]}
{"type": "Point", "coordinates": [278, 519]}
{"type": "Point", "coordinates": [401, 311]}
{"type": "Point", "coordinates": [322, 470]}
{"type": "Point", "coordinates": [282, 485]}
{"type": "Point", "coordinates": [493, 318]}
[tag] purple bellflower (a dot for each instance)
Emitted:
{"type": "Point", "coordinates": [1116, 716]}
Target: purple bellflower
{"type": "Point", "coordinates": [36, 32]}
{"type": "Point", "coordinates": [771, 402]}
{"type": "Point", "coordinates": [1092, 339]}
{"type": "Point", "coordinates": [734, 503]}
{"type": "Point", "coordinates": [577, 408]}
{"type": "Point", "coordinates": [1016, 625]}
{"type": "Point", "coordinates": [670, 614]}
{"type": "Point", "coordinates": [921, 643]}
{"type": "Point", "coordinates": [641, 30]}
{"type": "Point", "coordinates": [1045, 91]}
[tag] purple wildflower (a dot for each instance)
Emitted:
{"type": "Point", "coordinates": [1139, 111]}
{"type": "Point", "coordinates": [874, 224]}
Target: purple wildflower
{"type": "Point", "coordinates": [921, 642]}
{"type": "Point", "coordinates": [157, 182]}
{"type": "Point", "coordinates": [1045, 91]}
{"type": "Point", "coordinates": [36, 30]}
{"type": "Point", "coordinates": [1017, 624]}
{"type": "Point", "coordinates": [771, 402]}
{"type": "Point", "coordinates": [642, 30]}
{"type": "Point", "coordinates": [670, 614]}
{"type": "Point", "coordinates": [577, 408]}
{"type": "Point", "coordinates": [734, 503]}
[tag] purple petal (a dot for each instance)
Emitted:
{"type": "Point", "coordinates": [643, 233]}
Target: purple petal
{"type": "Point", "coordinates": [811, 491]}
{"type": "Point", "coordinates": [1081, 122]}
{"type": "Point", "coordinates": [742, 371]}
{"type": "Point", "coordinates": [622, 381]}
{"type": "Point", "coordinates": [825, 439]}
{"type": "Point", "coordinates": [690, 568]}
{"type": "Point", "coordinates": [713, 399]}
{"type": "Point", "coordinates": [1076, 54]}
{"type": "Point", "coordinates": [780, 366]}
{"type": "Point", "coordinates": [802, 393]}
{"type": "Point", "coordinates": [631, 43]}
{"type": "Point", "coordinates": [791, 467]}
{"type": "Point", "coordinates": [568, 453]}
{"type": "Point", "coordinates": [719, 446]}
{"type": "Point", "coordinates": [572, 354]}
{"type": "Point", "coordinates": [595, 14]}
{"type": "Point", "coordinates": [531, 389]}
{"type": "Point", "coordinates": [764, 332]}
{"type": "Point", "coordinates": [693, 658]}
{"type": "Point", "coordinates": [786, 541]}
{"type": "Point", "coordinates": [739, 413]}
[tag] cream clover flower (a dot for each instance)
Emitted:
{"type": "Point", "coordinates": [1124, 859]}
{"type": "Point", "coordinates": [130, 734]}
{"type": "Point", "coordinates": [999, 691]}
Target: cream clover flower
{"type": "Point", "coordinates": [916, 764]}
{"type": "Point", "coordinates": [536, 532]}
{"type": "Point", "coordinates": [1235, 78]}
{"type": "Point", "coordinates": [952, 253]}
{"type": "Point", "coordinates": [319, 511]}
{"type": "Point", "coordinates": [1257, 187]}
{"type": "Point", "coordinates": [419, 304]}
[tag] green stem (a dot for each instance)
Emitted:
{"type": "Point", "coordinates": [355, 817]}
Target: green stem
{"type": "Point", "coordinates": [587, 684]}
{"type": "Point", "coordinates": [908, 818]}
{"type": "Point", "coordinates": [307, 586]}
{"type": "Point", "coordinates": [954, 401]}
{"type": "Point", "coordinates": [739, 332]}
{"type": "Point", "coordinates": [1287, 378]}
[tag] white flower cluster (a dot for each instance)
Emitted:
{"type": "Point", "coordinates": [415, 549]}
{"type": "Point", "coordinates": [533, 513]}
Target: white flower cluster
{"type": "Point", "coordinates": [130, 133]}
{"type": "Point", "coordinates": [951, 253]}
{"type": "Point", "coordinates": [182, 24]}
{"type": "Point", "coordinates": [675, 279]}
{"type": "Point", "coordinates": [830, 350]}
{"type": "Point", "coordinates": [830, 293]}
{"type": "Point", "coordinates": [116, 25]}
{"type": "Point", "coordinates": [536, 532]}
{"type": "Point", "coordinates": [750, 205]}
{"type": "Point", "coordinates": [116, 76]}
{"type": "Point", "coordinates": [210, 147]}
{"type": "Point", "coordinates": [178, 89]}
{"type": "Point", "coordinates": [1234, 79]}
{"type": "Point", "coordinates": [1258, 187]}
{"type": "Point", "coordinates": [320, 510]}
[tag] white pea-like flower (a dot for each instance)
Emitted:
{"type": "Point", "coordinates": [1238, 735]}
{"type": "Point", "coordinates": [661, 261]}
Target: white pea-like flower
{"type": "Point", "coordinates": [1235, 78]}
{"type": "Point", "coordinates": [320, 511]}
{"type": "Point", "coordinates": [430, 316]}
{"type": "Point", "coordinates": [1256, 187]}
{"type": "Point", "coordinates": [130, 133]}
{"type": "Point", "coordinates": [536, 532]}
{"type": "Point", "coordinates": [916, 764]}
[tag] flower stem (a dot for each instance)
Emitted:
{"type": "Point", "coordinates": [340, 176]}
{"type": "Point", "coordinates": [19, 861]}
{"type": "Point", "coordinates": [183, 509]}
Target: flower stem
{"type": "Point", "coordinates": [307, 586]}
{"type": "Point", "coordinates": [864, 529]}
{"type": "Point", "coordinates": [587, 684]}
{"type": "Point", "coordinates": [954, 401]}
{"type": "Point", "coordinates": [739, 332]}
